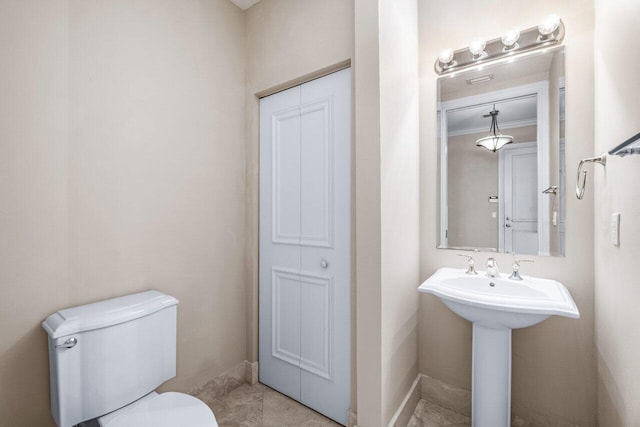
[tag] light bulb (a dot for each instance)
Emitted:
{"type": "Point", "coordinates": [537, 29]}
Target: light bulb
{"type": "Point", "coordinates": [510, 38]}
{"type": "Point", "coordinates": [549, 25]}
{"type": "Point", "coordinates": [446, 56]}
{"type": "Point", "coordinates": [476, 47]}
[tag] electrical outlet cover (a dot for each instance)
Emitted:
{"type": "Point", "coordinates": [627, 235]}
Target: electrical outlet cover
{"type": "Point", "coordinates": [615, 229]}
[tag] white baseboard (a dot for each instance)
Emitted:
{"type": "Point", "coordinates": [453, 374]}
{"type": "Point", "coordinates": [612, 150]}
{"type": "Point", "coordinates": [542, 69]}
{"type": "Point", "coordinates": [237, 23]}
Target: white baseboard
{"type": "Point", "coordinates": [408, 406]}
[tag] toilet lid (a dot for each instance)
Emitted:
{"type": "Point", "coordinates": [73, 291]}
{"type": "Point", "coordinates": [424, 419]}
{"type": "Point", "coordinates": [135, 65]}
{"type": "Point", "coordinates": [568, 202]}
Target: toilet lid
{"type": "Point", "coordinates": [164, 410]}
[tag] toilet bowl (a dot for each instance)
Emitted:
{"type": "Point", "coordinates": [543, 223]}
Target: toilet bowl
{"type": "Point", "coordinates": [168, 409]}
{"type": "Point", "coordinates": [107, 358]}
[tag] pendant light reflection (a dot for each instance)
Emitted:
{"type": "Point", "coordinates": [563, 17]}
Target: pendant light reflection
{"type": "Point", "coordinates": [495, 140]}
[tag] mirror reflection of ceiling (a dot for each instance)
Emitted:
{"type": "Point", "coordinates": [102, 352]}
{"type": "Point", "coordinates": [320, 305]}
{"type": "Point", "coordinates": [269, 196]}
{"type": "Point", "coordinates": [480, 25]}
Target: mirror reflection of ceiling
{"type": "Point", "coordinates": [528, 69]}
{"type": "Point", "coordinates": [514, 113]}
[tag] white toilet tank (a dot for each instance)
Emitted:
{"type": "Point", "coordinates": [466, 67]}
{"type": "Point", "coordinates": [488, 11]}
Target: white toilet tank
{"type": "Point", "coordinates": [105, 355]}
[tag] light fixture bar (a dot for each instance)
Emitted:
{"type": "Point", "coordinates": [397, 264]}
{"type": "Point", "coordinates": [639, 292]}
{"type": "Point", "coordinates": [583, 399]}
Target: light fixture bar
{"type": "Point", "coordinates": [510, 44]}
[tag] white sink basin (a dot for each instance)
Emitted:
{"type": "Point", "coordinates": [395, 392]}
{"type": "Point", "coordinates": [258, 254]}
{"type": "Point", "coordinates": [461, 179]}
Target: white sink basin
{"type": "Point", "coordinates": [500, 302]}
{"type": "Point", "coordinates": [496, 305]}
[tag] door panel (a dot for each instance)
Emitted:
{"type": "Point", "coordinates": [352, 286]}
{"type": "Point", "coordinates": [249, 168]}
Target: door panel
{"type": "Point", "coordinates": [285, 306]}
{"type": "Point", "coordinates": [521, 198]}
{"type": "Point", "coordinates": [316, 325]}
{"type": "Point", "coordinates": [316, 174]}
{"type": "Point", "coordinates": [326, 134]}
{"type": "Point", "coordinates": [279, 300]}
{"type": "Point", "coordinates": [305, 205]}
{"type": "Point", "coordinates": [286, 177]}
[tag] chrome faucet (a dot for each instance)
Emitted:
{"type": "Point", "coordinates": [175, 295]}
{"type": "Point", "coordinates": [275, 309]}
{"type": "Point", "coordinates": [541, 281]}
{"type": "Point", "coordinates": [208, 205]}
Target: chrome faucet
{"type": "Point", "coordinates": [492, 267]}
{"type": "Point", "coordinates": [515, 275]}
{"type": "Point", "coordinates": [471, 264]}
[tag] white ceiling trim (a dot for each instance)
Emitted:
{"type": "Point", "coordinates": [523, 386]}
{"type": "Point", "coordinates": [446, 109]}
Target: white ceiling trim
{"type": "Point", "coordinates": [244, 4]}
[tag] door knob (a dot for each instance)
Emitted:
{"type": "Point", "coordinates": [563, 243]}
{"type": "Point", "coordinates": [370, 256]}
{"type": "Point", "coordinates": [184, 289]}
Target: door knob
{"type": "Point", "coordinates": [324, 263]}
{"type": "Point", "coordinates": [507, 225]}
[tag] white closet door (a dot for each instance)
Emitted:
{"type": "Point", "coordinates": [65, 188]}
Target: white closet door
{"type": "Point", "coordinates": [280, 241]}
{"type": "Point", "coordinates": [326, 244]}
{"type": "Point", "coordinates": [305, 214]}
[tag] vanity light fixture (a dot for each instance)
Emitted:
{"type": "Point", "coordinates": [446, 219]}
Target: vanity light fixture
{"type": "Point", "coordinates": [495, 140]}
{"type": "Point", "coordinates": [513, 42]}
{"type": "Point", "coordinates": [476, 48]}
{"type": "Point", "coordinates": [446, 58]}
{"type": "Point", "coordinates": [547, 27]}
{"type": "Point", "coordinates": [510, 40]}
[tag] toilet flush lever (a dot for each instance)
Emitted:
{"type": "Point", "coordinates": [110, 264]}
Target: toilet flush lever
{"type": "Point", "coordinates": [70, 343]}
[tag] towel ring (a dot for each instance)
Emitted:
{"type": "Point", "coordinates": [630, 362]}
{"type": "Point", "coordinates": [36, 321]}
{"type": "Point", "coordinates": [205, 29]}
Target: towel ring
{"type": "Point", "coordinates": [581, 181]}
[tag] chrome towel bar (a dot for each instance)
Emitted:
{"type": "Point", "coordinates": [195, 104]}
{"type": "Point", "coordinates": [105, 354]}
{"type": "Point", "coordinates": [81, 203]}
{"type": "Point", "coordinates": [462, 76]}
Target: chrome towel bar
{"type": "Point", "coordinates": [628, 147]}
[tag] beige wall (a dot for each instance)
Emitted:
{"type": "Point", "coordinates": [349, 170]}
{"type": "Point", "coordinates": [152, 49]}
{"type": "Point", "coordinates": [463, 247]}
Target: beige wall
{"type": "Point", "coordinates": [287, 42]}
{"type": "Point", "coordinates": [399, 189]}
{"type": "Point", "coordinates": [123, 170]}
{"type": "Point", "coordinates": [553, 363]}
{"type": "Point", "coordinates": [472, 177]}
{"type": "Point", "coordinates": [617, 286]}
{"type": "Point", "coordinates": [387, 222]}
{"type": "Point", "coordinates": [34, 218]}
{"type": "Point", "coordinates": [368, 213]}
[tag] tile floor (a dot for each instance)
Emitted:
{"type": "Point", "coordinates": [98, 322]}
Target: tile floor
{"type": "Point", "coordinates": [430, 414]}
{"type": "Point", "coordinates": [260, 406]}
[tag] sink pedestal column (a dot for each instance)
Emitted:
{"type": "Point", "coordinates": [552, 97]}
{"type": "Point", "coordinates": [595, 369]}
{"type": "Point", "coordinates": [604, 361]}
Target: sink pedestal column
{"type": "Point", "coordinates": [491, 377]}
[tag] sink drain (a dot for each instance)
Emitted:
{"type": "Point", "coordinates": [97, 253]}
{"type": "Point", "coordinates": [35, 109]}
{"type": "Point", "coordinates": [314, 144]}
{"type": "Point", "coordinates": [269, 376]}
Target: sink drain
{"type": "Point", "coordinates": [492, 284]}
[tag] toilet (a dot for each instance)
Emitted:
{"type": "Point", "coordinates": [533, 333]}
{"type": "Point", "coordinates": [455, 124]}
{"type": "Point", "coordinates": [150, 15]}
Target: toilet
{"type": "Point", "coordinates": [107, 358]}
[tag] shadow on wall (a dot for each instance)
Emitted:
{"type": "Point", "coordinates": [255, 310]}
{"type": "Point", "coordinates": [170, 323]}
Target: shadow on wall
{"type": "Point", "coordinates": [450, 361]}
{"type": "Point", "coordinates": [405, 342]}
{"type": "Point", "coordinates": [30, 405]}
{"type": "Point", "coordinates": [609, 395]}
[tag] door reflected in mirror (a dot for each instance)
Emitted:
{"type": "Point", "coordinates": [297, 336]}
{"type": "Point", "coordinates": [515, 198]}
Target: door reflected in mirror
{"type": "Point", "coordinates": [501, 156]}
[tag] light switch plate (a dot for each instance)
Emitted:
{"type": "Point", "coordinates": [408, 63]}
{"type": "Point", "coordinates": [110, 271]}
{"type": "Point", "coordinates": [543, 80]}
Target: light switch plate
{"type": "Point", "coordinates": [615, 229]}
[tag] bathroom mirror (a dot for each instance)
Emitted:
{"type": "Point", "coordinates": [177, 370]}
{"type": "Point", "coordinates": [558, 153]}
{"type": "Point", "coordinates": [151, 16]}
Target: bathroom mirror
{"type": "Point", "coordinates": [501, 156]}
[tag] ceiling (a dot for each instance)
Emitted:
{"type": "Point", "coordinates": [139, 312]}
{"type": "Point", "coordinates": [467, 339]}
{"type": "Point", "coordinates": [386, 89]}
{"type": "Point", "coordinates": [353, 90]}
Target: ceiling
{"type": "Point", "coordinates": [513, 113]}
{"type": "Point", "coordinates": [244, 4]}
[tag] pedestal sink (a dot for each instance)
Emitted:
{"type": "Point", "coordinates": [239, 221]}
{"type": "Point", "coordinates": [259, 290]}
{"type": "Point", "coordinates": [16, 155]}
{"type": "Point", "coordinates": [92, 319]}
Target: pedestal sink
{"type": "Point", "coordinates": [496, 305]}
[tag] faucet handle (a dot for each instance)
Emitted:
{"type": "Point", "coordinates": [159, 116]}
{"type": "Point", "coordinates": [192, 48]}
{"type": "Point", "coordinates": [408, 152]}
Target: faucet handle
{"type": "Point", "coordinates": [515, 275]}
{"type": "Point", "coordinates": [471, 269]}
